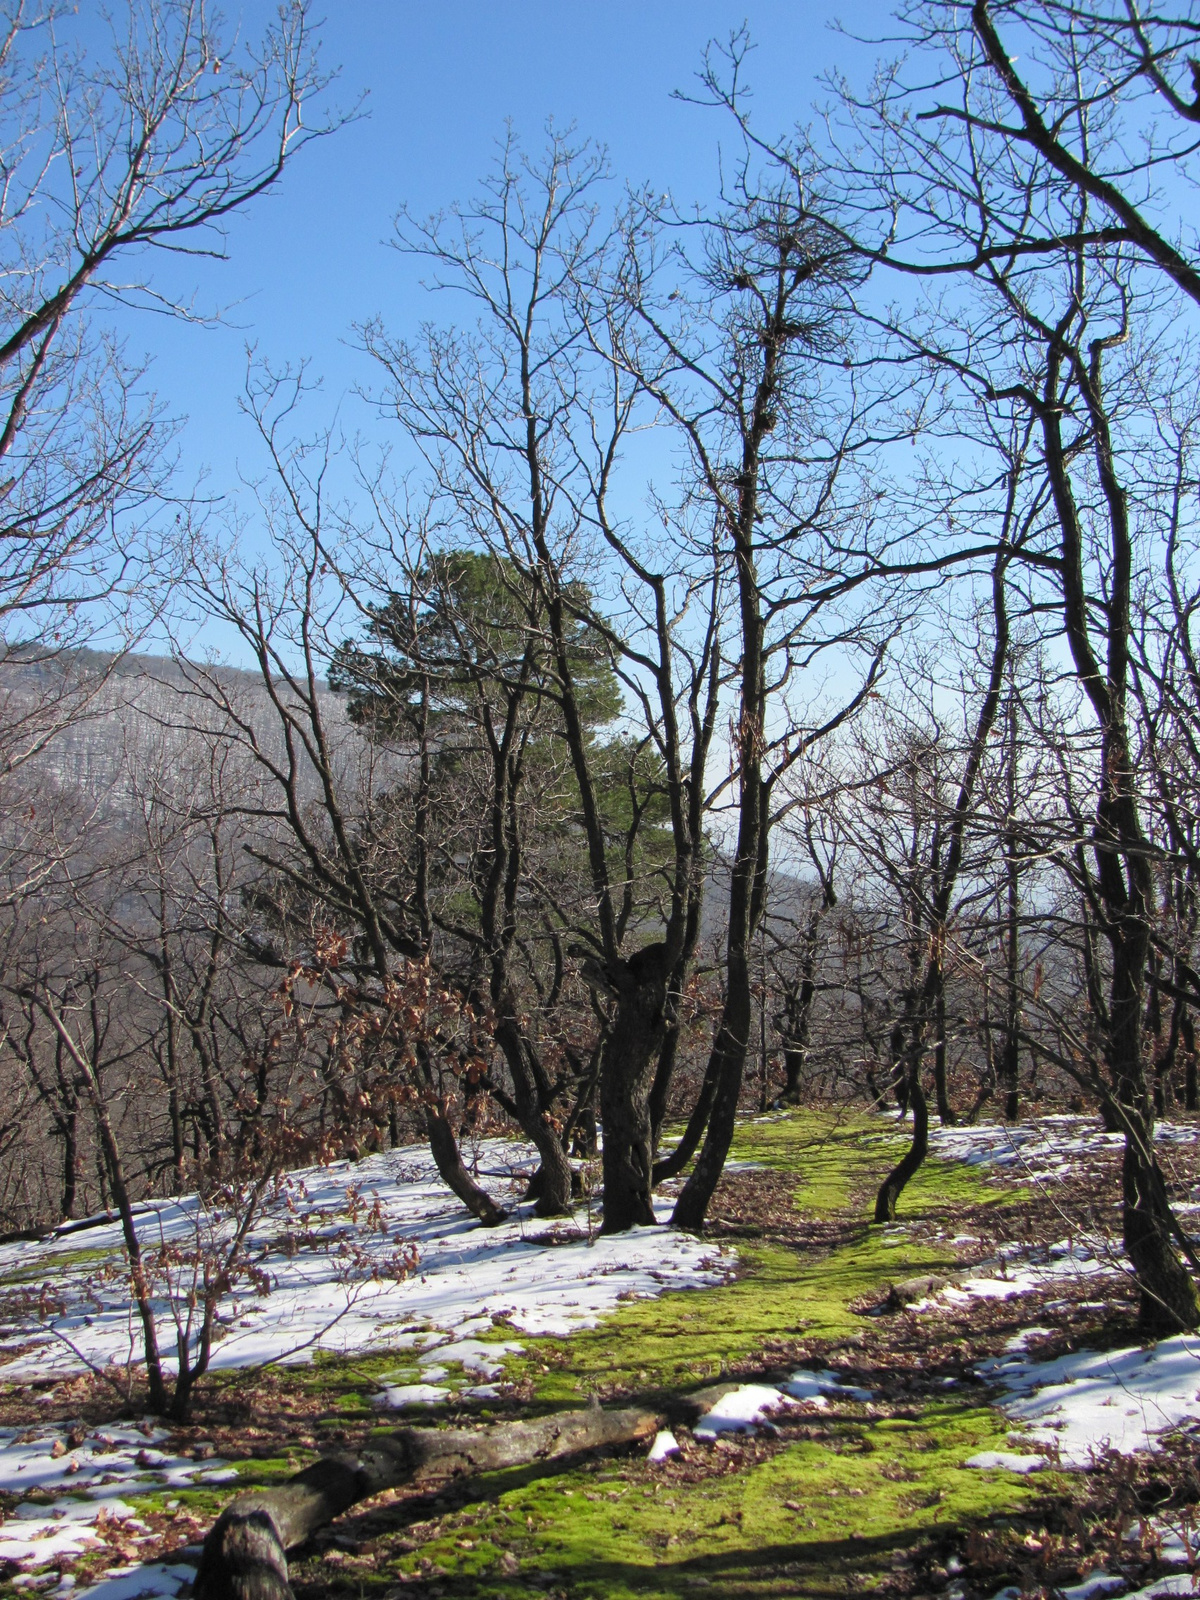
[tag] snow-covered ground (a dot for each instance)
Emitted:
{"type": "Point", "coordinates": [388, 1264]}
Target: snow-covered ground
{"type": "Point", "coordinates": [1090, 1401]}
{"type": "Point", "coordinates": [96, 1470]}
{"type": "Point", "coordinates": [532, 1276]}
{"type": "Point", "coordinates": [1051, 1147]}
{"type": "Point", "coordinates": [1087, 1402]}
{"type": "Point", "coordinates": [751, 1405]}
{"type": "Point", "coordinates": [1018, 1269]}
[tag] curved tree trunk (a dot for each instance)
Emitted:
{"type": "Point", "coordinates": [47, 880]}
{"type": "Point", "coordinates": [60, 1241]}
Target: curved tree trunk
{"type": "Point", "coordinates": [664, 1072]}
{"type": "Point", "coordinates": [1169, 1301]}
{"type": "Point", "coordinates": [554, 1179]}
{"type": "Point", "coordinates": [893, 1185]}
{"type": "Point", "coordinates": [672, 1165]}
{"type": "Point", "coordinates": [454, 1174]}
{"type": "Point", "coordinates": [729, 1051]}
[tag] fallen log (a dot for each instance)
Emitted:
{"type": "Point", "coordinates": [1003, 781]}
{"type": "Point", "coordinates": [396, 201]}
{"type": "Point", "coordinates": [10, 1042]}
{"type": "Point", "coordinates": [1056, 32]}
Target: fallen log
{"type": "Point", "coordinates": [245, 1553]}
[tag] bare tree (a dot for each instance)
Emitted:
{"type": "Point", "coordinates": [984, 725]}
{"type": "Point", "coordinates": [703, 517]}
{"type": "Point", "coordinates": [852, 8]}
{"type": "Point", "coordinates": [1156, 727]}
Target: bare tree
{"type": "Point", "coordinates": [136, 138]}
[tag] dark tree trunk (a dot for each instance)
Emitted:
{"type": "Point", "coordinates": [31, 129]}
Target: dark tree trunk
{"type": "Point", "coordinates": [893, 1185]}
{"type": "Point", "coordinates": [529, 1097]}
{"type": "Point", "coordinates": [672, 1165]}
{"type": "Point", "coordinates": [1009, 1076]}
{"type": "Point", "coordinates": [1191, 1090]}
{"type": "Point", "coordinates": [940, 1082]}
{"type": "Point", "coordinates": [747, 889]}
{"type": "Point", "coordinates": [1010, 1065]}
{"type": "Point", "coordinates": [924, 1002]}
{"type": "Point", "coordinates": [794, 1057]}
{"type": "Point", "coordinates": [729, 1052]}
{"type": "Point", "coordinates": [1167, 1292]}
{"type": "Point", "coordinates": [579, 1134]}
{"type": "Point", "coordinates": [449, 1162]}
{"type": "Point", "coordinates": [896, 1068]}
{"type": "Point", "coordinates": [664, 1072]}
{"type": "Point", "coordinates": [1123, 878]}
{"type": "Point", "coordinates": [1168, 1295]}
{"type": "Point", "coordinates": [631, 1052]}
{"type": "Point", "coordinates": [796, 1018]}
{"type": "Point", "coordinates": [70, 1166]}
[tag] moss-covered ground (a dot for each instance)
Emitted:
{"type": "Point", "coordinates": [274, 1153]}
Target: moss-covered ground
{"type": "Point", "coordinates": [839, 1501]}
{"type": "Point", "coordinates": [858, 1496]}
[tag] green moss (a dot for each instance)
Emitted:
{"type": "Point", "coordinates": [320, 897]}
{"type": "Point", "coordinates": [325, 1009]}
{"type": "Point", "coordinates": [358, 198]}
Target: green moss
{"type": "Point", "coordinates": [47, 1268]}
{"type": "Point", "coordinates": [839, 1160]}
{"type": "Point", "coordinates": [797, 1522]}
{"type": "Point", "coordinates": [802, 1521]}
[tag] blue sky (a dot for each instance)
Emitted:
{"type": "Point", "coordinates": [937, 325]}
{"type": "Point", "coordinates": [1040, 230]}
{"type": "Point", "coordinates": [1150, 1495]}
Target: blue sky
{"type": "Point", "coordinates": [441, 78]}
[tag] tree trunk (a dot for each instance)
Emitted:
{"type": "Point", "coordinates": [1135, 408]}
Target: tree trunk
{"type": "Point", "coordinates": [1011, 1057]}
{"type": "Point", "coordinates": [245, 1553]}
{"type": "Point", "coordinates": [729, 1051]}
{"type": "Point", "coordinates": [453, 1174]}
{"type": "Point", "coordinates": [554, 1183]}
{"type": "Point", "coordinates": [797, 1014]}
{"type": "Point", "coordinates": [893, 1185]}
{"type": "Point", "coordinates": [1169, 1301]}
{"type": "Point", "coordinates": [630, 1054]}
{"type": "Point", "coordinates": [663, 1074]}
{"type": "Point", "coordinates": [1191, 1090]}
{"type": "Point", "coordinates": [747, 890]}
{"type": "Point", "coordinates": [1009, 1076]}
{"type": "Point", "coordinates": [70, 1167]}
{"type": "Point", "coordinates": [940, 1082]}
{"type": "Point", "coordinates": [896, 1068]}
{"type": "Point", "coordinates": [672, 1165]}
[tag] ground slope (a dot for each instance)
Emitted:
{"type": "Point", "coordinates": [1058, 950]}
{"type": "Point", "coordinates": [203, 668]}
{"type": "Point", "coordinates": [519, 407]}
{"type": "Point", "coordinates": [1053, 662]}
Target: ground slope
{"type": "Point", "coordinates": [862, 1486]}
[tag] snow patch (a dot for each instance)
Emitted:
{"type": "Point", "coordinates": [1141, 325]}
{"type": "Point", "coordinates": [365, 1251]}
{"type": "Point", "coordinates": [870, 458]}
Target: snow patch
{"type": "Point", "coordinates": [665, 1444]}
{"type": "Point", "coordinates": [1086, 1402]}
{"type": "Point", "coordinates": [1021, 1269]}
{"type": "Point", "coordinates": [467, 1278]}
{"type": "Point", "coordinates": [815, 1386]}
{"type": "Point", "coordinates": [1006, 1461]}
{"type": "Point", "coordinates": [1050, 1148]}
{"type": "Point", "coordinates": [741, 1410]}
{"type": "Point", "coordinates": [138, 1583]}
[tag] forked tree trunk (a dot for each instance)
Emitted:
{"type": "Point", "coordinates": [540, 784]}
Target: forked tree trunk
{"type": "Point", "coordinates": [554, 1173]}
{"type": "Point", "coordinates": [245, 1554]}
{"type": "Point", "coordinates": [631, 1052]}
{"type": "Point", "coordinates": [673, 1164]}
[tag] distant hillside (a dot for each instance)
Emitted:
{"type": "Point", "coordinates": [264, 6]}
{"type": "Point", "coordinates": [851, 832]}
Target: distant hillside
{"type": "Point", "coordinates": [105, 716]}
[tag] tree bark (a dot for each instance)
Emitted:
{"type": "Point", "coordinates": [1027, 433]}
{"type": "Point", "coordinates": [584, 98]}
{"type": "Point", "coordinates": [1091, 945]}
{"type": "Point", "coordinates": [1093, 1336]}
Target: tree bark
{"type": "Point", "coordinates": [896, 1180]}
{"type": "Point", "coordinates": [245, 1554]}
{"type": "Point", "coordinates": [672, 1165]}
{"type": "Point", "coordinates": [453, 1174]}
{"type": "Point", "coordinates": [626, 1074]}
{"type": "Point", "coordinates": [940, 1078]}
{"type": "Point", "coordinates": [1167, 1293]}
